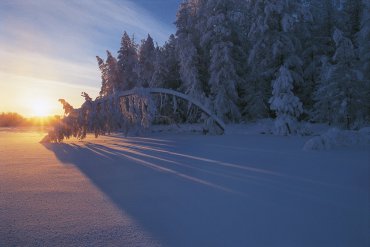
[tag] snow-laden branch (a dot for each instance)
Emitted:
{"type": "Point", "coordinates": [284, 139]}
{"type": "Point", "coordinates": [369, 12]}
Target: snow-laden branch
{"type": "Point", "coordinates": [145, 91]}
{"type": "Point", "coordinates": [119, 111]}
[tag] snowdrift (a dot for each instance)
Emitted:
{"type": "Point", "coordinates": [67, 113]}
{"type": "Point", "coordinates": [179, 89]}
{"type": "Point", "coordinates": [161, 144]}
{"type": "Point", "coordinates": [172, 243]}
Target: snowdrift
{"type": "Point", "coordinates": [334, 138]}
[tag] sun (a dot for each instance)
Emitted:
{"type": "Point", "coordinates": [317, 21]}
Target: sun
{"type": "Point", "coordinates": [40, 108]}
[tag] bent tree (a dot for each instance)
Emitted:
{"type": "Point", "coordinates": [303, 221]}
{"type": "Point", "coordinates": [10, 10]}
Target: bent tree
{"type": "Point", "coordinates": [131, 110]}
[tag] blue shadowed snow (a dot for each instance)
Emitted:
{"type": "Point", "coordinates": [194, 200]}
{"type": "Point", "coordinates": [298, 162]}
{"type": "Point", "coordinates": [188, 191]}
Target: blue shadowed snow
{"type": "Point", "coordinates": [233, 190]}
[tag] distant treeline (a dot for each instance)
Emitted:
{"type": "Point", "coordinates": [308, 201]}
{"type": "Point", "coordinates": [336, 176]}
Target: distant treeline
{"type": "Point", "coordinates": [12, 119]}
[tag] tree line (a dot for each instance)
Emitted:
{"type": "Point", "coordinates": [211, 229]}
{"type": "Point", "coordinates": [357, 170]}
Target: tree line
{"type": "Point", "coordinates": [12, 119]}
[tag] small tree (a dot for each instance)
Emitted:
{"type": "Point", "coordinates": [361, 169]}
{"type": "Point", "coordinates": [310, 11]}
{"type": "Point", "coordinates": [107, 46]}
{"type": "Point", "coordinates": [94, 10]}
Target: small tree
{"type": "Point", "coordinates": [286, 105]}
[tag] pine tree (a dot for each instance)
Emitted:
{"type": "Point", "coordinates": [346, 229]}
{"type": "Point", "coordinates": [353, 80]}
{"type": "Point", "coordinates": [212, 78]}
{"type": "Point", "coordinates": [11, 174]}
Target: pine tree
{"type": "Point", "coordinates": [166, 66]}
{"type": "Point", "coordinates": [351, 19]}
{"type": "Point", "coordinates": [103, 70]}
{"type": "Point", "coordinates": [109, 74]}
{"type": "Point", "coordinates": [363, 37]}
{"type": "Point", "coordinates": [316, 36]}
{"type": "Point", "coordinates": [146, 62]}
{"type": "Point", "coordinates": [172, 80]}
{"type": "Point", "coordinates": [160, 70]}
{"type": "Point", "coordinates": [187, 49]}
{"type": "Point", "coordinates": [285, 104]}
{"type": "Point", "coordinates": [364, 53]}
{"type": "Point", "coordinates": [127, 63]}
{"type": "Point", "coordinates": [322, 111]}
{"type": "Point", "coordinates": [341, 96]}
{"type": "Point", "coordinates": [364, 40]}
{"type": "Point", "coordinates": [112, 80]}
{"type": "Point", "coordinates": [275, 44]}
{"type": "Point", "coordinates": [220, 38]}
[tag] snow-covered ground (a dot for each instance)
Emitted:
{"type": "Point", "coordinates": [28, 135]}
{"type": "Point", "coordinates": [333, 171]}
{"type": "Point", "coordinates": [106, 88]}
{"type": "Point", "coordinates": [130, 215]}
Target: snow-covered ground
{"type": "Point", "coordinates": [182, 189]}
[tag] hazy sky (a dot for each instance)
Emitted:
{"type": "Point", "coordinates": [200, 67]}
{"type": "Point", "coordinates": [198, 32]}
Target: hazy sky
{"type": "Point", "coordinates": [48, 47]}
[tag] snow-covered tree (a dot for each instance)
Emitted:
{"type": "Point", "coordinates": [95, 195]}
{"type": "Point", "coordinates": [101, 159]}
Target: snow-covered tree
{"type": "Point", "coordinates": [316, 35]}
{"type": "Point", "coordinates": [224, 82]}
{"type": "Point", "coordinates": [160, 68]}
{"type": "Point", "coordinates": [103, 70]}
{"type": "Point", "coordinates": [220, 40]}
{"type": "Point", "coordinates": [166, 66]}
{"type": "Point", "coordinates": [341, 96]}
{"type": "Point", "coordinates": [187, 48]}
{"type": "Point", "coordinates": [104, 116]}
{"type": "Point", "coordinates": [286, 105]}
{"type": "Point", "coordinates": [364, 52]}
{"type": "Point", "coordinates": [322, 111]}
{"type": "Point", "coordinates": [364, 40]}
{"type": "Point", "coordinates": [146, 61]}
{"type": "Point", "coordinates": [167, 75]}
{"type": "Point", "coordinates": [127, 63]}
{"type": "Point", "coordinates": [257, 86]}
{"type": "Point", "coordinates": [109, 74]}
{"type": "Point", "coordinates": [351, 19]}
{"type": "Point", "coordinates": [112, 74]}
{"type": "Point", "coordinates": [274, 44]}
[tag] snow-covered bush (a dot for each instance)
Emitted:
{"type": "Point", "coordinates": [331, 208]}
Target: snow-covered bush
{"type": "Point", "coordinates": [338, 138]}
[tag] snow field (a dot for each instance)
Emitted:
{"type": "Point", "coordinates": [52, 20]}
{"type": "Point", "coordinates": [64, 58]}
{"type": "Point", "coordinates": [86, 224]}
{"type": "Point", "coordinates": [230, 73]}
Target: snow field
{"type": "Point", "coordinates": [182, 189]}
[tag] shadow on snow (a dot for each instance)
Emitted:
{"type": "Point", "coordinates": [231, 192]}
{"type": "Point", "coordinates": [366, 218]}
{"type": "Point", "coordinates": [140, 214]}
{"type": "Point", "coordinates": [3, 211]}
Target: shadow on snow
{"type": "Point", "coordinates": [196, 200]}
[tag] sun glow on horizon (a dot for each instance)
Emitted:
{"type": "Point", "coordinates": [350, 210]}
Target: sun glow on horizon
{"type": "Point", "coordinates": [40, 108]}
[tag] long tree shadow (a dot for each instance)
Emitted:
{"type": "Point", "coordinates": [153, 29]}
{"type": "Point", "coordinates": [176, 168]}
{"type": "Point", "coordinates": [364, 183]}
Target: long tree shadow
{"type": "Point", "coordinates": [188, 200]}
